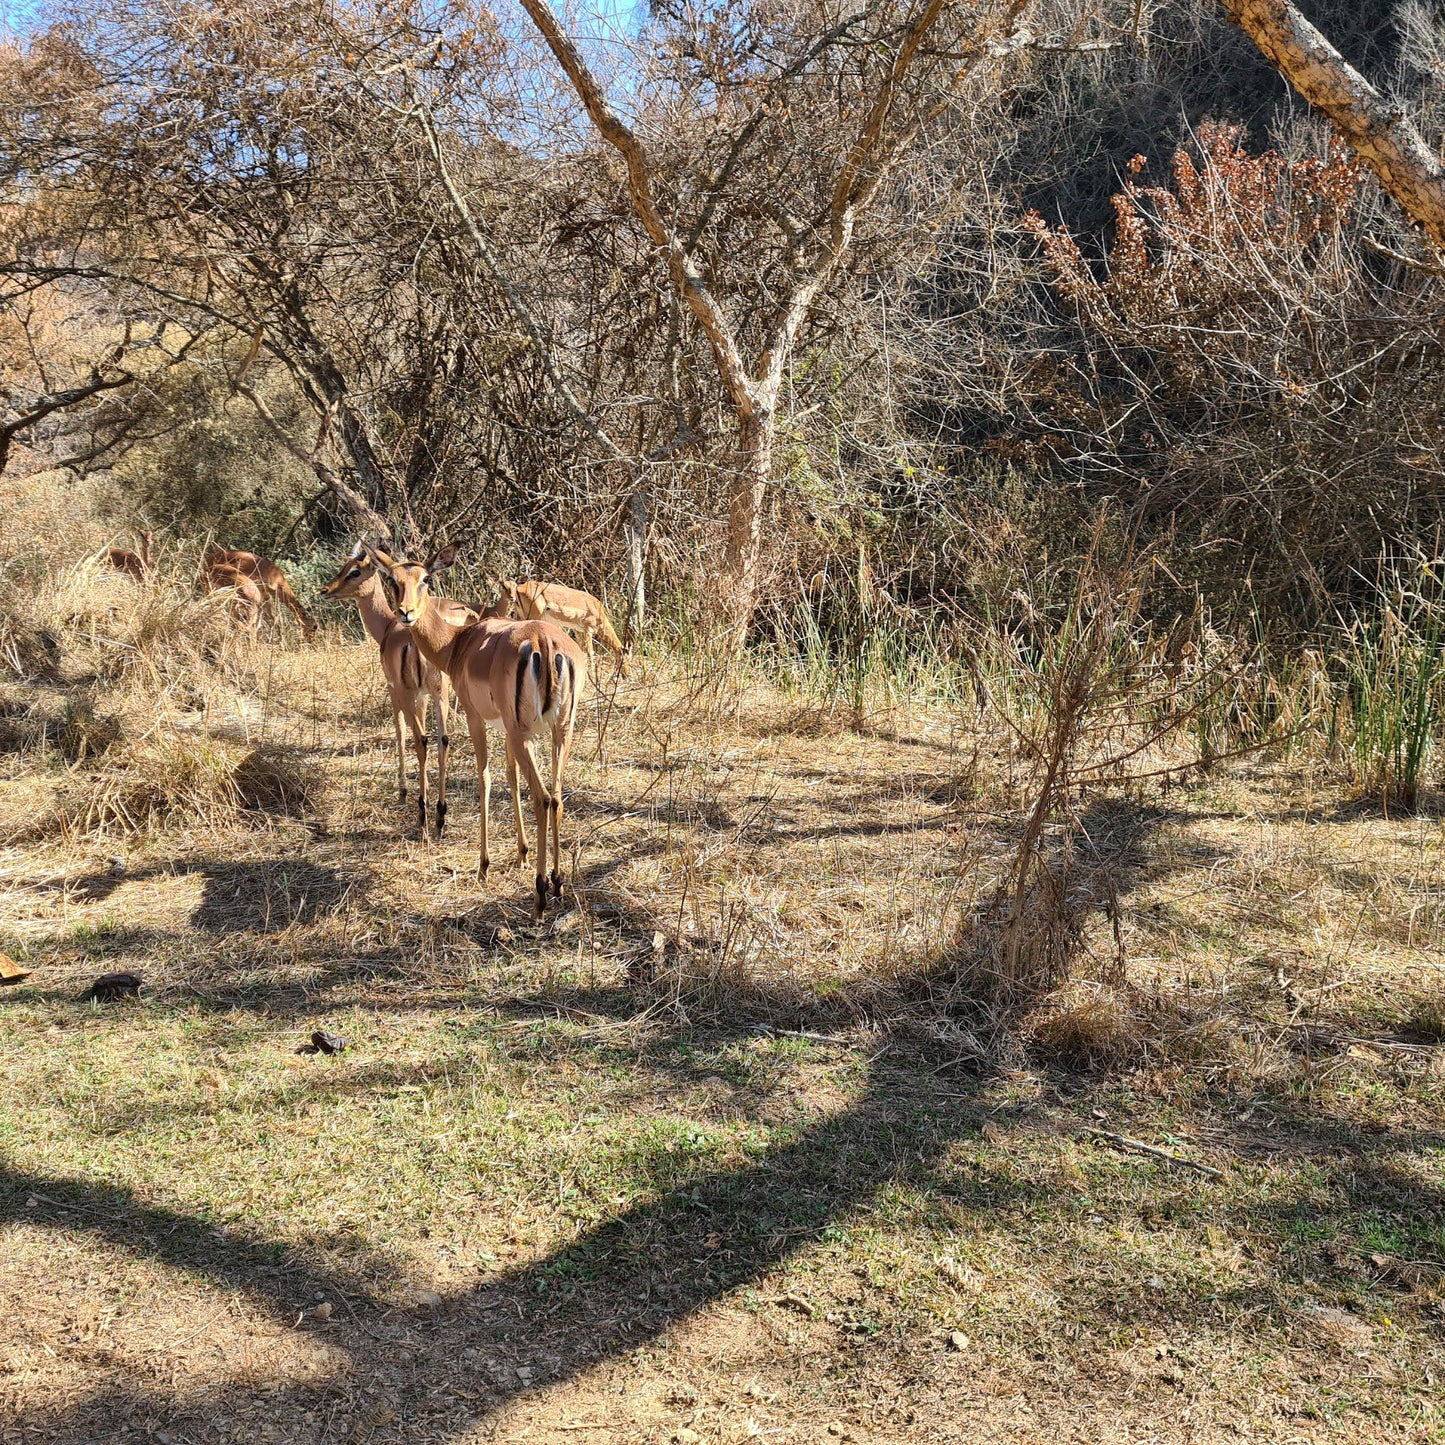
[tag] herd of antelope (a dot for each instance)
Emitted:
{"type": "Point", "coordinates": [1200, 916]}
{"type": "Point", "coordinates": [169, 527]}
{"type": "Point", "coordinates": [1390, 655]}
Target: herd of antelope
{"type": "Point", "coordinates": [512, 665]}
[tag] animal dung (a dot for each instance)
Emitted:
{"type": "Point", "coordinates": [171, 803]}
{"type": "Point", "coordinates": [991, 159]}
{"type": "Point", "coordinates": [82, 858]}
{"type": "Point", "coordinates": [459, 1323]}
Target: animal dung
{"type": "Point", "coordinates": [112, 987]}
{"type": "Point", "coordinates": [323, 1043]}
{"type": "Point", "coordinates": [10, 972]}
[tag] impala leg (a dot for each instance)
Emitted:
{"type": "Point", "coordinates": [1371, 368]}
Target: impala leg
{"type": "Point", "coordinates": [514, 783]}
{"type": "Point", "coordinates": [444, 748]}
{"type": "Point", "coordinates": [478, 729]}
{"type": "Point", "coordinates": [541, 808]}
{"type": "Point", "coordinates": [417, 719]}
{"type": "Point", "coordinates": [396, 712]}
{"type": "Point", "coordinates": [561, 747]}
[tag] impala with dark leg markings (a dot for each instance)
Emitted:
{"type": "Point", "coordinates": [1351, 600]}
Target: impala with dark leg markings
{"type": "Point", "coordinates": [409, 676]}
{"type": "Point", "coordinates": [525, 676]}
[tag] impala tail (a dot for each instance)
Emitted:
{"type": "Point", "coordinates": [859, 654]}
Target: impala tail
{"type": "Point", "coordinates": [547, 685]}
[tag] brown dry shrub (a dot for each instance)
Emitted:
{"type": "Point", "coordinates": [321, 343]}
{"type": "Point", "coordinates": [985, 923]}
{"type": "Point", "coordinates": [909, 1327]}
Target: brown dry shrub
{"type": "Point", "coordinates": [165, 780]}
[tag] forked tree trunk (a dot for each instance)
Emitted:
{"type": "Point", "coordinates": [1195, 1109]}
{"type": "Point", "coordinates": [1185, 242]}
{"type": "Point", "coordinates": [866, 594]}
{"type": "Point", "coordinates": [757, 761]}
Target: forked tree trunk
{"type": "Point", "coordinates": [1363, 118]}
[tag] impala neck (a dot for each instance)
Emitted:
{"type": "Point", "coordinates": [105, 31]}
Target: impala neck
{"type": "Point", "coordinates": [376, 614]}
{"type": "Point", "coordinates": [435, 636]}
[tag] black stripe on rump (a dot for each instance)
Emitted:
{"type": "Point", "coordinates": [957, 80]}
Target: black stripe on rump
{"type": "Point", "coordinates": [524, 656]}
{"type": "Point", "coordinates": [543, 697]}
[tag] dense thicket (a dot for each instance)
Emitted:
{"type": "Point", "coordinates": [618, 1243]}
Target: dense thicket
{"type": "Point", "coordinates": [265, 259]}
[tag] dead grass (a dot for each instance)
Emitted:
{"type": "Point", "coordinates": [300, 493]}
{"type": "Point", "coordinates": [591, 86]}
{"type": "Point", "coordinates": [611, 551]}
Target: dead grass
{"type": "Point", "coordinates": [700, 1157]}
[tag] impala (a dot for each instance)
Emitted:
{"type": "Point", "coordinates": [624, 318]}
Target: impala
{"type": "Point", "coordinates": [124, 560]}
{"type": "Point", "coordinates": [526, 676]}
{"type": "Point", "coordinates": [267, 576]}
{"type": "Point", "coordinates": [247, 597]}
{"type": "Point", "coordinates": [409, 676]}
{"type": "Point", "coordinates": [579, 612]}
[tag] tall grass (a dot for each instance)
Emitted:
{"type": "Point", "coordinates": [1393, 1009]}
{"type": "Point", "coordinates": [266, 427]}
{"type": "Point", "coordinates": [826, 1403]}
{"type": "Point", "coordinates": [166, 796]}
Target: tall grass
{"type": "Point", "coordinates": [1393, 692]}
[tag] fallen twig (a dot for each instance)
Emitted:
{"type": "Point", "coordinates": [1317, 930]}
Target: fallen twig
{"type": "Point", "coordinates": [800, 1034]}
{"type": "Point", "coordinates": [1138, 1146]}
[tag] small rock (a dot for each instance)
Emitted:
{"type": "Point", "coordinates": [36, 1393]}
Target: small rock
{"type": "Point", "coordinates": [957, 1340]}
{"type": "Point", "coordinates": [429, 1299]}
{"type": "Point", "coordinates": [112, 987]}
{"type": "Point", "coordinates": [328, 1043]}
{"type": "Point", "coordinates": [525, 1374]}
{"type": "Point", "coordinates": [685, 1436]}
{"type": "Point", "coordinates": [321, 1311]}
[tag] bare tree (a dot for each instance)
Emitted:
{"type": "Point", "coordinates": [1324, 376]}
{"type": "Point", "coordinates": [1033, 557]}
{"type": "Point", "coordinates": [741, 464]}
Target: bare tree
{"type": "Point", "coordinates": [802, 114]}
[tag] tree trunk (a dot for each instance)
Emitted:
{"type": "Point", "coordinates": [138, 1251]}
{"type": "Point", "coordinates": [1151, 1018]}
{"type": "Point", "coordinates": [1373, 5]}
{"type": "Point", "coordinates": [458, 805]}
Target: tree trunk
{"type": "Point", "coordinates": [752, 471]}
{"type": "Point", "coordinates": [1363, 118]}
{"type": "Point", "coordinates": [636, 533]}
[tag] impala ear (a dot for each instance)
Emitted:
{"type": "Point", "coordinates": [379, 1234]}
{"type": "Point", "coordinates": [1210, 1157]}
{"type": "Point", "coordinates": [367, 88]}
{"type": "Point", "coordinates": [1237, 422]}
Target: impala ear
{"type": "Point", "coordinates": [441, 560]}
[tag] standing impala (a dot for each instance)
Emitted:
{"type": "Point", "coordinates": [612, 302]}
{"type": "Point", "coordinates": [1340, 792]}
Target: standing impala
{"type": "Point", "coordinates": [527, 676]}
{"type": "Point", "coordinates": [579, 612]}
{"type": "Point", "coordinates": [409, 676]}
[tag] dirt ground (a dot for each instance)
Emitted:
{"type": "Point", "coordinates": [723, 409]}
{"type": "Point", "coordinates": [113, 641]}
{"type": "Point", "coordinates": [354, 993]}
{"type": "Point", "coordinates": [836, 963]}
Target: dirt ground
{"type": "Point", "coordinates": [694, 1159]}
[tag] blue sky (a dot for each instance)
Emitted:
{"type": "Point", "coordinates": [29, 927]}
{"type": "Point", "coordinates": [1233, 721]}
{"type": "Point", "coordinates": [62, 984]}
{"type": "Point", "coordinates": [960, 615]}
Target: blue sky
{"type": "Point", "coordinates": [19, 16]}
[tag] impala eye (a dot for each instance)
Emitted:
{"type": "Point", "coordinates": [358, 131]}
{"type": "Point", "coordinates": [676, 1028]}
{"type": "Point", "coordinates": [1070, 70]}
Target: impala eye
{"type": "Point", "coordinates": [355, 572]}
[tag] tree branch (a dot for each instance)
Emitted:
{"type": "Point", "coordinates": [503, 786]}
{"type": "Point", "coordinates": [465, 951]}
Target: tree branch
{"type": "Point", "coordinates": [684, 272]}
{"type": "Point", "coordinates": [1364, 119]}
{"type": "Point", "coordinates": [368, 519]}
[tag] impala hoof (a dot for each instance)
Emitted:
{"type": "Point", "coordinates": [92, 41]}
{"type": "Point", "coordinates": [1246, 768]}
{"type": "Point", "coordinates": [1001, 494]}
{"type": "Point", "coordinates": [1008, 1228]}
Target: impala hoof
{"type": "Point", "coordinates": [441, 818]}
{"type": "Point", "coordinates": [541, 894]}
{"type": "Point", "coordinates": [482, 868]}
{"type": "Point", "coordinates": [557, 884]}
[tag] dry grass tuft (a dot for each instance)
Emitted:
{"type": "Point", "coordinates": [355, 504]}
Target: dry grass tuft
{"type": "Point", "coordinates": [1088, 1026]}
{"type": "Point", "coordinates": [165, 780]}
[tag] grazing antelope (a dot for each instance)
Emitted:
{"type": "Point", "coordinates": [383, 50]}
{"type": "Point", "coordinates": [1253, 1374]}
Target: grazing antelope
{"type": "Point", "coordinates": [579, 612]}
{"type": "Point", "coordinates": [124, 560]}
{"type": "Point", "coordinates": [247, 599]}
{"type": "Point", "coordinates": [409, 676]}
{"type": "Point", "coordinates": [527, 676]}
{"type": "Point", "coordinates": [268, 577]}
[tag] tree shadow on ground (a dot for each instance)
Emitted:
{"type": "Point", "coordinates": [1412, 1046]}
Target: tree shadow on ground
{"type": "Point", "coordinates": [265, 896]}
{"type": "Point", "coordinates": [627, 1279]}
